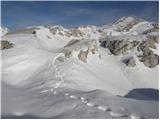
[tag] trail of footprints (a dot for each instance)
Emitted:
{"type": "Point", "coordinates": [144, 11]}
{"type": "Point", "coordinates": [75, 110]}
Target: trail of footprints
{"type": "Point", "coordinates": [99, 107]}
{"type": "Point", "coordinates": [86, 101]}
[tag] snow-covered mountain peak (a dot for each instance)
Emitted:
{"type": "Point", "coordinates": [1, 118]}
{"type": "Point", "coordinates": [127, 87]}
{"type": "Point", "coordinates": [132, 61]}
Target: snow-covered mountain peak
{"type": "Point", "coordinates": [128, 19]}
{"type": "Point", "coordinates": [124, 24]}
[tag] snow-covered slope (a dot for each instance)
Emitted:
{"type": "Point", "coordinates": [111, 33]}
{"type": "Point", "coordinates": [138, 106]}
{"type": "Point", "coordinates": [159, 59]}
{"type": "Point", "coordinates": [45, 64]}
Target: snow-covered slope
{"type": "Point", "coordinates": [70, 103]}
{"type": "Point", "coordinates": [54, 72]}
{"type": "Point", "coordinates": [3, 31]}
{"type": "Point", "coordinates": [142, 27]}
{"type": "Point", "coordinates": [123, 24]}
{"type": "Point", "coordinates": [127, 25]}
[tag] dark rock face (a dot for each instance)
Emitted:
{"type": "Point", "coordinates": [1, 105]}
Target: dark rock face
{"type": "Point", "coordinates": [118, 47]}
{"type": "Point", "coordinates": [130, 62]}
{"type": "Point", "coordinates": [104, 42]}
{"type": "Point", "coordinates": [68, 53]}
{"type": "Point", "coordinates": [150, 60]}
{"type": "Point", "coordinates": [156, 27]}
{"type": "Point", "coordinates": [153, 38]}
{"type": "Point", "coordinates": [6, 45]}
{"type": "Point", "coordinates": [148, 43]}
{"type": "Point", "coordinates": [146, 55]}
{"type": "Point", "coordinates": [34, 32]}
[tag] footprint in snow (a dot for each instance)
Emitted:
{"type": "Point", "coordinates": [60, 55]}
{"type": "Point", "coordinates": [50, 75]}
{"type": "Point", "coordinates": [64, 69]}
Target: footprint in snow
{"type": "Point", "coordinates": [66, 94]}
{"type": "Point", "coordinates": [58, 72]}
{"type": "Point", "coordinates": [84, 101]}
{"type": "Point", "coordinates": [90, 104]}
{"type": "Point", "coordinates": [51, 89]}
{"type": "Point", "coordinates": [117, 114]}
{"type": "Point", "coordinates": [72, 96]}
{"type": "Point", "coordinates": [55, 68]}
{"type": "Point", "coordinates": [103, 108]}
{"type": "Point", "coordinates": [134, 116]}
{"type": "Point", "coordinates": [44, 91]}
{"type": "Point", "coordinates": [55, 92]}
{"type": "Point", "coordinates": [82, 98]}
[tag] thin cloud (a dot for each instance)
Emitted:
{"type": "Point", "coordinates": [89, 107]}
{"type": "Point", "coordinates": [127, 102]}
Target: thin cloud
{"type": "Point", "coordinates": [68, 14]}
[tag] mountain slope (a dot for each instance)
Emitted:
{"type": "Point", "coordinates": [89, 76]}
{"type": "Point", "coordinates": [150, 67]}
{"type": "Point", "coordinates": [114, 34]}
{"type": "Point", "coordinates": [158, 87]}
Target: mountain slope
{"type": "Point", "coordinates": [83, 72]}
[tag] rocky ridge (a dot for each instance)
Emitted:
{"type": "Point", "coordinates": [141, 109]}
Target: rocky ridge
{"type": "Point", "coordinates": [121, 37]}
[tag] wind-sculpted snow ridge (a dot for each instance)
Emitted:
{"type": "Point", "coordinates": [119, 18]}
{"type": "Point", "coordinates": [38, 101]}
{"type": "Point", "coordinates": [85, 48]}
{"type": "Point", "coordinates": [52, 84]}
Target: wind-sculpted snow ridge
{"type": "Point", "coordinates": [82, 72]}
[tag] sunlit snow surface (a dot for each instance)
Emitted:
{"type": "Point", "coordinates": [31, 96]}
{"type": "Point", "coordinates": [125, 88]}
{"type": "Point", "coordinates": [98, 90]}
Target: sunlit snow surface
{"type": "Point", "coordinates": [36, 85]}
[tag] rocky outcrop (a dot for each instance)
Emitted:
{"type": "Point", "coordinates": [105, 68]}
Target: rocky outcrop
{"type": "Point", "coordinates": [145, 53]}
{"type": "Point", "coordinates": [53, 31]}
{"type": "Point", "coordinates": [67, 53]}
{"type": "Point", "coordinates": [118, 47]}
{"type": "Point", "coordinates": [6, 45]}
{"type": "Point", "coordinates": [154, 29]}
{"type": "Point", "coordinates": [145, 45]}
{"type": "Point", "coordinates": [59, 30]}
{"type": "Point", "coordinates": [81, 48]}
{"type": "Point", "coordinates": [148, 57]}
{"type": "Point", "coordinates": [150, 60]}
{"type": "Point", "coordinates": [75, 32]}
{"type": "Point", "coordinates": [130, 62]}
{"type": "Point", "coordinates": [83, 55]}
{"type": "Point", "coordinates": [154, 38]}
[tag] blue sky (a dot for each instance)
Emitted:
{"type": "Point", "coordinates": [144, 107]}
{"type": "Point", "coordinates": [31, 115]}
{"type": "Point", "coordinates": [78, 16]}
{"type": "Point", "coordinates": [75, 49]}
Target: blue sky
{"type": "Point", "coordinates": [69, 13]}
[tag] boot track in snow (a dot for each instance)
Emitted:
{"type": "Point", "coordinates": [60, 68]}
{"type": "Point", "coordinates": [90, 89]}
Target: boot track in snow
{"type": "Point", "coordinates": [82, 99]}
